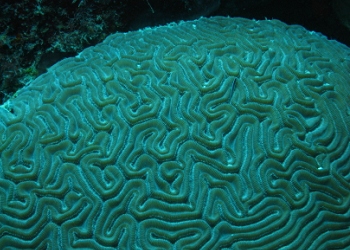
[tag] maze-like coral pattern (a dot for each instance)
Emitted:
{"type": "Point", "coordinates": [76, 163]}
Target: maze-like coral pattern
{"type": "Point", "coordinates": [210, 134]}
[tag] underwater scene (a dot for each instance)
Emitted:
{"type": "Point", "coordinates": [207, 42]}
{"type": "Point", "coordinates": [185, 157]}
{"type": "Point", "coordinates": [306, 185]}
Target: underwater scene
{"type": "Point", "coordinates": [180, 124]}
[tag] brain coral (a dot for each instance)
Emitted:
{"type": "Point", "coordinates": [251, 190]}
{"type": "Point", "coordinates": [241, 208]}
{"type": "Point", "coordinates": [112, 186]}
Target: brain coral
{"type": "Point", "coordinates": [216, 133]}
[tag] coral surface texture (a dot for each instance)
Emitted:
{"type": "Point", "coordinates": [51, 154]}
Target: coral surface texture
{"type": "Point", "coordinates": [208, 134]}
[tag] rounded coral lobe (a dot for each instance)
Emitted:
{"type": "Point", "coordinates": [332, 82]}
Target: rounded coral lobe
{"type": "Point", "coordinates": [208, 134]}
